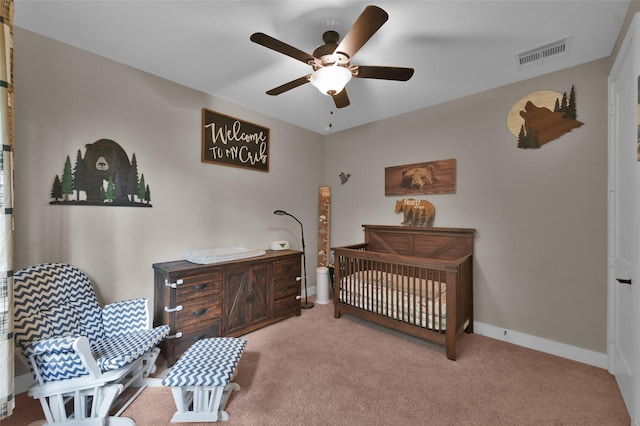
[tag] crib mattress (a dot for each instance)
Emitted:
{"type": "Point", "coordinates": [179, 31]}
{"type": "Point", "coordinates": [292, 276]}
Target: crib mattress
{"type": "Point", "coordinates": [416, 301]}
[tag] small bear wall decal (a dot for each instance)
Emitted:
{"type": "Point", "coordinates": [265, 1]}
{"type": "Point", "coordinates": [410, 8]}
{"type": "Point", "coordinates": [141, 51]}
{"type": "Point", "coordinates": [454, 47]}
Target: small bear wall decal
{"type": "Point", "coordinates": [416, 212]}
{"type": "Point", "coordinates": [344, 177]}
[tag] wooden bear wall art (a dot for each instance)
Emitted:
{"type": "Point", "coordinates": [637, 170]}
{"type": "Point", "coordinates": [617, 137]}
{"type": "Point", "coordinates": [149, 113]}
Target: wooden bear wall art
{"type": "Point", "coordinates": [103, 177]}
{"type": "Point", "coordinates": [432, 177]}
{"type": "Point", "coordinates": [416, 212]}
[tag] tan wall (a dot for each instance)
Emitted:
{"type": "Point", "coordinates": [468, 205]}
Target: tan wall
{"type": "Point", "coordinates": [540, 215]}
{"type": "Point", "coordinates": [66, 98]}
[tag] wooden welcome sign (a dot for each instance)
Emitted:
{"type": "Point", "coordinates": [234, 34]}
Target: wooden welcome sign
{"type": "Point", "coordinates": [233, 142]}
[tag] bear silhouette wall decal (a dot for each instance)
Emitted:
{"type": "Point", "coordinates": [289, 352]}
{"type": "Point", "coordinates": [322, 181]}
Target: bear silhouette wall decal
{"type": "Point", "coordinates": [543, 116]}
{"type": "Point", "coordinates": [104, 176]}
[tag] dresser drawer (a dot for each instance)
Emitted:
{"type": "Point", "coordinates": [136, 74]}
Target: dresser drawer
{"type": "Point", "coordinates": [197, 287]}
{"type": "Point", "coordinates": [287, 268]}
{"type": "Point", "coordinates": [285, 306]}
{"type": "Point", "coordinates": [190, 335]}
{"type": "Point", "coordinates": [198, 311]}
{"type": "Point", "coordinates": [286, 288]}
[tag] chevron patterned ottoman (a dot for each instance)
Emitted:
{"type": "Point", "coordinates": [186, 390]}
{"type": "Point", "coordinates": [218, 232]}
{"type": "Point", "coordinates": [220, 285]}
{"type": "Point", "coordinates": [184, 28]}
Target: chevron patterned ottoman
{"type": "Point", "coordinates": [201, 379]}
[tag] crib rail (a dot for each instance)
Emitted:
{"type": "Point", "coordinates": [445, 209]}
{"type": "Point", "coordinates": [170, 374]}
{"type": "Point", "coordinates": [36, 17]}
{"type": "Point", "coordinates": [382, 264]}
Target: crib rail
{"type": "Point", "coordinates": [361, 251]}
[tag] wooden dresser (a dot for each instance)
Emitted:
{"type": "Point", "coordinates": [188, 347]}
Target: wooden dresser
{"type": "Point", "coordinates": [224, 299]}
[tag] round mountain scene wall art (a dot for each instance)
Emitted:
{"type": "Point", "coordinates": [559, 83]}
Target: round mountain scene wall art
{"type": "Point", "coordinates": [543, 116]}
{"type": "Point", "coordinates": [103, 177]}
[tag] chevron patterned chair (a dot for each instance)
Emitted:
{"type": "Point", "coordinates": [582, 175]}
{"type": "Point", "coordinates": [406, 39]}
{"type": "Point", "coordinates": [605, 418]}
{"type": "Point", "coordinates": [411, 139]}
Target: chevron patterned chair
{"type": "Point", "coordinates": [81, 356]}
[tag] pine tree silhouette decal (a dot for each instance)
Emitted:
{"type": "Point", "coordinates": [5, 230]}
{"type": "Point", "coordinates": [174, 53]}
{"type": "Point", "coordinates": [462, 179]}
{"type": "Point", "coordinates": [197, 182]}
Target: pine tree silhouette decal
{"type": "Point", "coordinates": [133, 177]}
{"type": "Point", "coordinates": [56, 191]}
{"type": "Point", "coordinates": [111, 192]}
{"type": "Point", "coordinates": [141, 189]}
{"type": "Point", "coordinates": [571, 112]}
{"type": "Point", "coordinates": [67, 180]}
{"type": "Point", "coordinates": [78, 174]}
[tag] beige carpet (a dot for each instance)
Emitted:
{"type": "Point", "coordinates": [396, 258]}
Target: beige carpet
{"type": "Point", "coordinates": [317, 370]}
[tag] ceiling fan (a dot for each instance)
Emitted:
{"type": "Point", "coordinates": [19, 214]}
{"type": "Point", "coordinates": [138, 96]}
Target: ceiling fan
{"type": "Point", "coordinates": [331, 62]}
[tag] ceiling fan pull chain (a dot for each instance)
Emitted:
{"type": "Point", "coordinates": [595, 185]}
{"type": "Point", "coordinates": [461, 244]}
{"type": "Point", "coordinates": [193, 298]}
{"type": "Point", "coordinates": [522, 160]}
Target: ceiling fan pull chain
{"type": "Point", "coordinates": [330, 125]}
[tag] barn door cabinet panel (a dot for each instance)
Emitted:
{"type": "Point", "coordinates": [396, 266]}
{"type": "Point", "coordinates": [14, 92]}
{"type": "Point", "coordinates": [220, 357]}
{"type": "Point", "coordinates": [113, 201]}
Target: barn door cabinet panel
{"type": "Point", "coordinates": [246, 301]}
{"type": "Point", "coordinates": [224, 299]}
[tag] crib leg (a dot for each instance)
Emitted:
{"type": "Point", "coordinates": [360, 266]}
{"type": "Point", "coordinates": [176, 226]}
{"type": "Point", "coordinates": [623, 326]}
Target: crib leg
{"type": "Point", "coordinates": [451, 353]}
{"type": "Point", "coordinates": [450, 343]}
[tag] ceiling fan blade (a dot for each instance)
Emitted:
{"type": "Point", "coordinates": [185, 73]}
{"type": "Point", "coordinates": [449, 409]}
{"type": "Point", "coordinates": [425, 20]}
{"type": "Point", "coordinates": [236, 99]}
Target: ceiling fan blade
{"type": "Point", "coordinates": [282, 47]}
{"type": "Point", "coordinates": [341, 99]}
{"type": "Point", "coordinates": [384, 73]}
{"type": "Point", "coordinates": [369, 21]}
{"type": "Point", "coordinates": [290, 85]}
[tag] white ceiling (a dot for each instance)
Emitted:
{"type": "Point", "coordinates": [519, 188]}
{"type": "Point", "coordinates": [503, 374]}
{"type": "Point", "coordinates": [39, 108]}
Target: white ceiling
{"type": "Point", "coordinates": [456, 47]}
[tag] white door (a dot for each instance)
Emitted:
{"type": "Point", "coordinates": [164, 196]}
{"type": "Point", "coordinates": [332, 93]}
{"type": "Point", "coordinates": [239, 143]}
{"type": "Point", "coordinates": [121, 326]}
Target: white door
{"type": "Point", "coordinates": [624, 230]}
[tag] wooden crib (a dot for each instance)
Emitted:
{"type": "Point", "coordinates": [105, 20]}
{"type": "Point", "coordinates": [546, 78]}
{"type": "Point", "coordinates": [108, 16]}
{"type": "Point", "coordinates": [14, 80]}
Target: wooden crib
{"type": "Point", "coordinates": [415, 280]}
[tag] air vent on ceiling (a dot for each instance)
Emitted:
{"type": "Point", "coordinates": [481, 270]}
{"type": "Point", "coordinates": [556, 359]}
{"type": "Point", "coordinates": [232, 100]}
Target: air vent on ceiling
{"type": "Point", "coordinates": [539, 54]}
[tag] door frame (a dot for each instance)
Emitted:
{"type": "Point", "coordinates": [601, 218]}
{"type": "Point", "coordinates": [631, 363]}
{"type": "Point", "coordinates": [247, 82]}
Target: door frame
{"type": "Point", "coordinates": [631, 393]}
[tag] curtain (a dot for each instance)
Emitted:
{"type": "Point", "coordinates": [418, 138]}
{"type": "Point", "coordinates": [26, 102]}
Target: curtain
{"type": "Point", "coordinates": [6, 209]}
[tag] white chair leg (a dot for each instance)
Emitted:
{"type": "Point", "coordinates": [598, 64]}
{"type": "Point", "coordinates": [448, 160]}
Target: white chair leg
{"type": "Point", "coordinates": [47, 408]}
{"type": "Point", "coordinates": [147, 367]}
{"type": "Point", "coordinates": [106, 395]}
{"type": "Point", "coordinates": [55, 407]}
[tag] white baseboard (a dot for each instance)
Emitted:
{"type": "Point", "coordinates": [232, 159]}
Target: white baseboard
{"type": "Point", "coordinates": [22, 383]}
{"type": "Point", "coordinates": [585, 356]}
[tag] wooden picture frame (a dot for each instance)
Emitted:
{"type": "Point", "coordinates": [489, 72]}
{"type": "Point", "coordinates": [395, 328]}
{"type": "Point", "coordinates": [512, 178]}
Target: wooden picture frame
{"type": "Point", "coordinates": [433, 177]}
{"type": "Point", "coordinates": [233, 142]}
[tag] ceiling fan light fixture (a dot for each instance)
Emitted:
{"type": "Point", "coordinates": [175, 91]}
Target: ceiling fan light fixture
{"type": "Point", "coordinates": [330, 80]}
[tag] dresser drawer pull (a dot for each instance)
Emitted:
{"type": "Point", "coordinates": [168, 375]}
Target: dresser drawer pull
{"type": "Point", "coordinates": [175, 336]}
{"type": "Point", "coordinates": [200, 312]}
{"type": "Point", "coordinates": [199, 286]}
{"type": "Point", "coordinates": [298, 278]}
{"type": "Point", "coordinates": [287, 268]}
{"type": "Point", "coordinates": [173, 285]}
{"type": "Point", "coordinates": [176, 309]}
